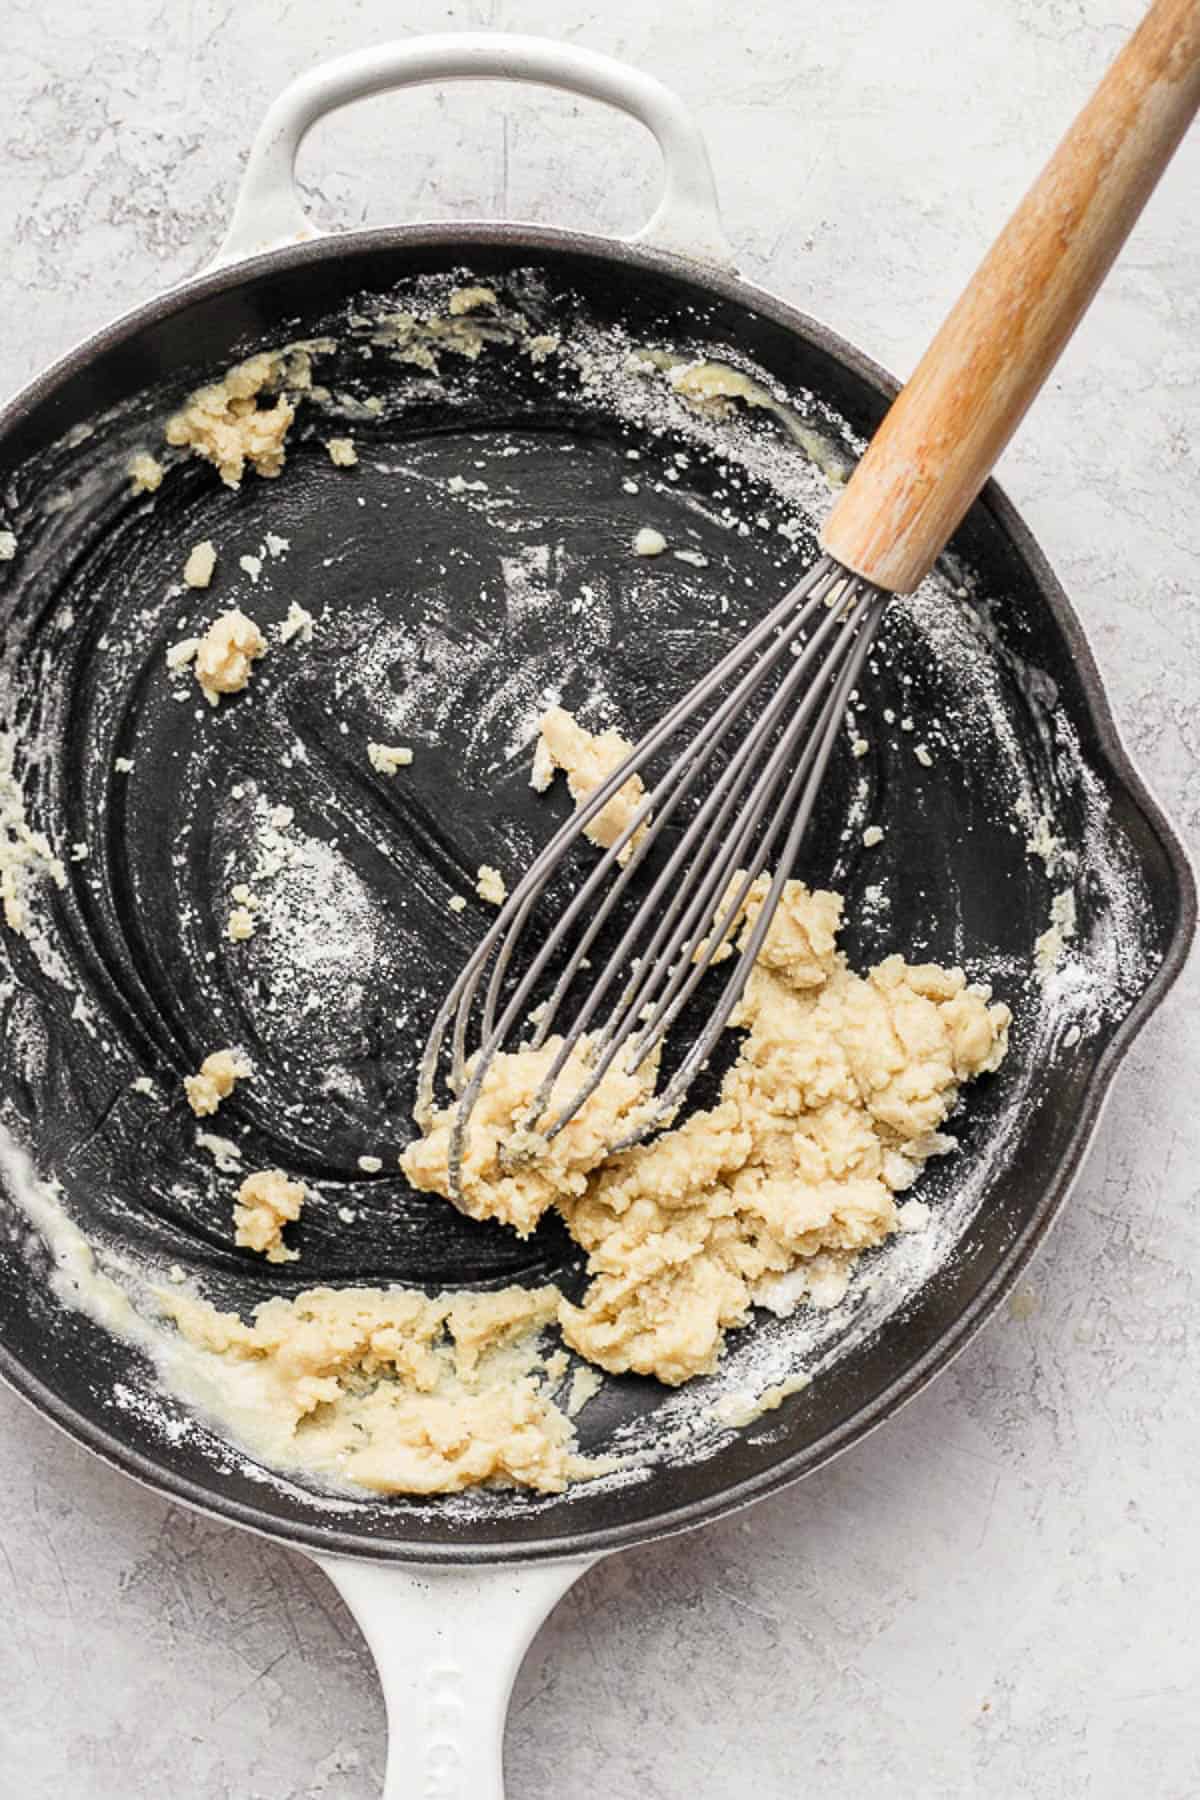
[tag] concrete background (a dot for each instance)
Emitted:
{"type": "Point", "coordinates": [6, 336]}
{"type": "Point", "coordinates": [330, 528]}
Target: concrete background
{"type": "Point", "coordinates": [994, 1596]}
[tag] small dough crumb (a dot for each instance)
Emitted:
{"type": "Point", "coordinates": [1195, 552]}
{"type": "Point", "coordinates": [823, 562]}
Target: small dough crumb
{"type": "Point", "coordinates": [859, 747]}
{"type": "Point", "coordinates": [490, 885]}
{"type": "Point", "coordinates": [225, 653]}
{"type": "Point", "coordinates": [266, 1202]}
{"type": "Point", "coordinates": [456, 903]}
{"type": "Point", "coordinates": [648, 542]}
{"type": "Point", "coordinates": [586, 1383]}
{"type": "Point", "coordinates": [225, 1153]}
{"type": "Point", "coordinates": [8, 545]}
{"type": "Point", "coordinates": [202, 560]}
{"type": "Point", "coordinates": [542, 772]}
{"type": "Point", "coordinates": [914, 1215]}
{"type": "Point", "coordinates": [298, 624]}
{"type": "Point", "coordinates": [1042, 842]}
{"type": "Point", "coordinates": [470, 299]}
{"type": "Point", "coordinates": [385, 759]}
{"type": "Point", "coordinates": [342, 453]}
{"type": "Point", "coordinates": [224, 423]}
{"type": "Point", "coordinates": [370, 1165]}
{"type": "Point", "coordinates": [181, 654]}
{"type": "Point", "coordinates": [123, 765]}
{"type": "Point", "coordinates": [25, 855]}
{"type": "Point", "coordinates": [872, 835]}
{"type": "Point", "coordinates": [1063, 925]}
{"type": "Point", "coordinates": [145, 473]}
{"type": "Point", "coordinates": [588, 759]}
{"type": "Point", "coordinates": [241, 924]}
{"type": "Point", "coordinates": [215, 1081]}
{"type": "Point", "coordinates": [739, 1409]}
{"type": "Point", "coordinates": [712, 386]}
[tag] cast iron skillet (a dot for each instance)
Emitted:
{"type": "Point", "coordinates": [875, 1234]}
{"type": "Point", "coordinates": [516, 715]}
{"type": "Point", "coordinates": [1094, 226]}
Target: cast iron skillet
{"type": "Point", "coordinates": [390, 558]}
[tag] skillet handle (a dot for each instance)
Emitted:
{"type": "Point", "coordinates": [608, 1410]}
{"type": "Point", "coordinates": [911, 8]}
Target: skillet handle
{"type": "Point", "coordinates": [448, 1642]}
{"type": "Point", "coordinates": [268, 212]}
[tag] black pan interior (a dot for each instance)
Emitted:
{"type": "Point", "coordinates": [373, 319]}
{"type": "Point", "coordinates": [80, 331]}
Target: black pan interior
{"type": "Point", "coordinates": [441, 624]}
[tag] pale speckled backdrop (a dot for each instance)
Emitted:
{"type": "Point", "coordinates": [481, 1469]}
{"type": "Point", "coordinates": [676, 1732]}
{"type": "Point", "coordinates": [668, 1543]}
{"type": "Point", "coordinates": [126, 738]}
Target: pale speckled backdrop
{"type": "Point", "coordinates": [995, 1595]}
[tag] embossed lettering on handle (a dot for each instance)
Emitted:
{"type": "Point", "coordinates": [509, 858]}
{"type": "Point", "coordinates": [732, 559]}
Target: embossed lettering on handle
{"type": "Point", "coordinates": [443, 1721]}
{"type": "Point", "coordinates": [448, 1642]}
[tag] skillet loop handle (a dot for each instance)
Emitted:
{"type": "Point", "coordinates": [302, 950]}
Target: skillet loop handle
{"type": "Point", "coordinates": [448, 1642]}
{"type": "Point", "coordinates": [268, 212]}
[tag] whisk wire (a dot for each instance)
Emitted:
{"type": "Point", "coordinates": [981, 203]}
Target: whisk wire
{"type": "Point", "coordinates": [509, 926]}
{"type": "Point", "coordinates": [764, 791]}
{"type": "Point", "coordinates": [668, 894]}
{"type": "Point", "coordinates": [691, 760]}
{"type": "Point", "coordinates": [674, 945]}
{"type": "Point", "coordinates": [666, 1103]}
{"type": "Point", "coordinates": [691, 956]}
{"type": "Point", "coordinates": [681, 962]}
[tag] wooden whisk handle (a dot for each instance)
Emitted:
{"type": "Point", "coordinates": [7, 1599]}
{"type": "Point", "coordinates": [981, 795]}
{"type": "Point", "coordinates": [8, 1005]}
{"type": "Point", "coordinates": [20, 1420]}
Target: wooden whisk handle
{"type": "Point", "coordinates": [946, 429]}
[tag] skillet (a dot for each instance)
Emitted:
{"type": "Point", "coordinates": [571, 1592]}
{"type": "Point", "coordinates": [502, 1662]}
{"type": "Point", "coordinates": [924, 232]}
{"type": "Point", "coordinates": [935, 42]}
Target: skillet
{"type": "Point", "coordinates": [472, 567]}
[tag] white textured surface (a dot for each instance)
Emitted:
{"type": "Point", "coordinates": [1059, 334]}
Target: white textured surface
{"type": "Point", "coordinates": [995, 1595]}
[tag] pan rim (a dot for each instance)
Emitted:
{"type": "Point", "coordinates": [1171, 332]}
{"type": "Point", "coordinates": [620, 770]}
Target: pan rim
{"type": "Point", "coordinates": [86, 1429]}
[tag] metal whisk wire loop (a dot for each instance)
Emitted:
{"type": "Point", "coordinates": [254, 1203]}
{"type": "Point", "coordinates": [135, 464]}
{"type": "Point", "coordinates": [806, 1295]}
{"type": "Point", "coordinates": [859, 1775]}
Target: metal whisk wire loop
{"type": "Point", "coordinates": [754, 810]}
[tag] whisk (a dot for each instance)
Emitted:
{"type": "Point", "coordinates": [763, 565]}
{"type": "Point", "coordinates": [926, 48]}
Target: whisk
{"type": "Point", "coordinates": [748, 781]}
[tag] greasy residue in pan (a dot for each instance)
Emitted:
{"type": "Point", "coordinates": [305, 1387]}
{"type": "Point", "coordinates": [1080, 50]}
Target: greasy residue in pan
{"type": "Point", "coordinates": [474, 567]}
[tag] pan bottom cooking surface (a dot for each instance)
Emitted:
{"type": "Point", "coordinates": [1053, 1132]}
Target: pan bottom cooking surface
{"type": "Point", "coordinates": [473, 567]}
